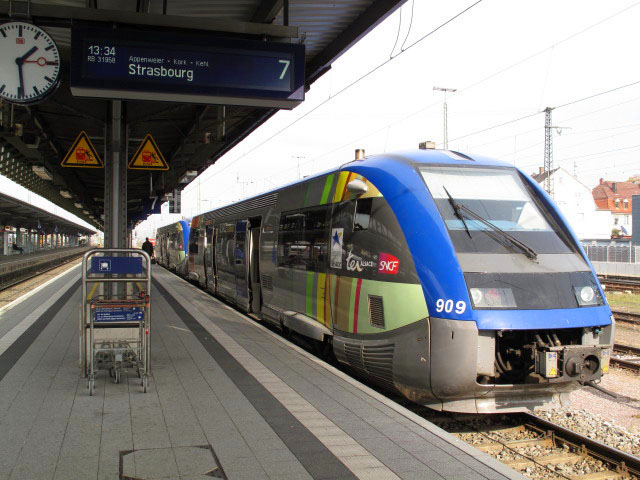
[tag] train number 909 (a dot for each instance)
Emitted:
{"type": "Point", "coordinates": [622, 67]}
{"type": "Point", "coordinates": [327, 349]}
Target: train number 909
{"type": "Point", "coordinates": [447, 306]}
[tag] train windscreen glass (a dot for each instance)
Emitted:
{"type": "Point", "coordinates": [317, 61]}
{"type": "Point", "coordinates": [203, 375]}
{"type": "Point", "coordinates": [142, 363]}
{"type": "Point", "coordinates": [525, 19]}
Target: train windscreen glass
{"type": "Point", "coordinates": [507, 243]}
{"type": "Point", "coordinates": [491, 197]}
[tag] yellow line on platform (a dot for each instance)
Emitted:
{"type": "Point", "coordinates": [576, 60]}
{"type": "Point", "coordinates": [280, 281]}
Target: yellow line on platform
{"type": "Point", "coordinates": [93, 289]}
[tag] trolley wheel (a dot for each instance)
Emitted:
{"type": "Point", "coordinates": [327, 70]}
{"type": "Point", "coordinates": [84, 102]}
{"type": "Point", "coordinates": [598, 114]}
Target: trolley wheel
{"type": "Point", "coordinates": [116, 375]}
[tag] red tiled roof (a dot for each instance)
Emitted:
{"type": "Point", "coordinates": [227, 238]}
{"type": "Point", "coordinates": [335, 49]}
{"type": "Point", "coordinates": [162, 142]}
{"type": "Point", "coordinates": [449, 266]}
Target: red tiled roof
{"type": "Point", "coordinates": [623, 190]}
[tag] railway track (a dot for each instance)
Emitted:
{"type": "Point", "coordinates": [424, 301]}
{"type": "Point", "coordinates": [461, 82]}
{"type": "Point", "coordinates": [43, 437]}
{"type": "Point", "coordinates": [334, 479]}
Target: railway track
{"type": "Point", "coordinates": [17, 289]}
{"type": "Point", "coordinates": [627, 317]}
{"type": "Point", "coordinates": [626, 356]}
{"type": "Point", "coordinates": [541, 449]}
{"type": "Point", "coordinates": [17, 282]}
{"type": "Point", "coordinates": [620, 283]}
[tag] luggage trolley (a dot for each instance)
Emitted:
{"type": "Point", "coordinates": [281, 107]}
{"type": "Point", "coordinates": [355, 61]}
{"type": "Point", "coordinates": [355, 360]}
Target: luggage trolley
{"type": "Point", "coordinates": [116, 309]}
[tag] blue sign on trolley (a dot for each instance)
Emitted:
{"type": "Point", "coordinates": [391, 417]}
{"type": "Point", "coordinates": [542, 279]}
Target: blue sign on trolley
{"type": "Point", "coordinates": [119, 314]}
{"type": "Point", "coordinates": [119, 265]}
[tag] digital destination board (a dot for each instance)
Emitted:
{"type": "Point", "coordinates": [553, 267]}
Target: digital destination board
{"type": "Point", "coordinates": [196, 67]}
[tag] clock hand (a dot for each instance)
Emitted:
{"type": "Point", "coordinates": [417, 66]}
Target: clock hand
{"type": "Point", "coordinates": [21, 88]}
{"type": "Point", "coordinates": [20, 61]}
{"type": "Point", "coordinates": [41, 61]}
{"type": "Point", "coordinates": [27, 55]}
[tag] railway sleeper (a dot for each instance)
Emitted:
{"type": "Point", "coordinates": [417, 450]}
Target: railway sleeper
{"type": "Point", "coordinates": [495, 447]}
{"type": "Point", "coordinates": [494, 429]}
{"type": "Point", "coordinates": [553, 459]}
{"type": "Point", "coordinates": [608, 475]}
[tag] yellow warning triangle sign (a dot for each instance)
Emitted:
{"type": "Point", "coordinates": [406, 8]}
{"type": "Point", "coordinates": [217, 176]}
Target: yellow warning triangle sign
{"type": "Point", "coordinates": [148, 156]}
{"type": "Point", "coordinates": [82, 154]}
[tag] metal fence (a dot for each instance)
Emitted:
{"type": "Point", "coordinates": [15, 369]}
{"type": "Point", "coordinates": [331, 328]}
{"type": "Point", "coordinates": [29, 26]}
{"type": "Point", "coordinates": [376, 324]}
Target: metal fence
{"type": "Point", "coordinates": [612, 253]}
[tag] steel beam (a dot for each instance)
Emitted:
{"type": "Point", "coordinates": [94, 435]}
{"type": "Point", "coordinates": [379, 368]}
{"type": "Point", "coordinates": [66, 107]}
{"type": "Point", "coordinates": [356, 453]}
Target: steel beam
{"type": "Point", "coordinates": [42, 14]}
{"type": "Point", "coordinates": [267, 11]}
{"type": "Point", "coordinates": [362, 25]}
{"type": "Point", "coordinates": [115, 181]}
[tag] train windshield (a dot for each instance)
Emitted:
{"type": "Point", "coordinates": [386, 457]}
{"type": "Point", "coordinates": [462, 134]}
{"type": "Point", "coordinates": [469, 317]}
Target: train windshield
{"type": "Point", "coordinates": [513, 253]}
{"type": "Point", "coordinates": [483, 208]}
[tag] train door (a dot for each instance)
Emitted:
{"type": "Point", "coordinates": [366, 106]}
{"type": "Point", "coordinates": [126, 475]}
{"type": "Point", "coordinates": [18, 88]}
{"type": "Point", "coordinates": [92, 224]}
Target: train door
{"type": "Point", "coordinates": [240, 262]}
{"type": "Point", "coordinates": [254, 268]}
{"type": "Point", "coordinates": [200, 255]}
{"type": "Point", "coordinates": [193, 252]}
{"type": "Point", "coordinates": [225, 264]}
{"type": "Point", "coordinates": [208, 258]}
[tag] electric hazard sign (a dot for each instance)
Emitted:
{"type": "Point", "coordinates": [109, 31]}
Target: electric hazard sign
{"type": "Point", "coordinates": [82, 154]}
{"type": "Point", "coordinates": [148, 156]}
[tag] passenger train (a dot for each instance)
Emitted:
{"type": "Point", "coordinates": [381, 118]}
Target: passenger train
{"type": "Point", "coordinates": [171, 246]}
{"type": "Point", "coordinates": [452, 279]}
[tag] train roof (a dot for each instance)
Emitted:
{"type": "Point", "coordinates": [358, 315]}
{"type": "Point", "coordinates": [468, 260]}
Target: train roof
{"type": "Point", "coordinates": [431, 156]}
{"type": "Point", "coordinates": [385, 160]}
{"type": "Point", "coordinates": [172, 225]}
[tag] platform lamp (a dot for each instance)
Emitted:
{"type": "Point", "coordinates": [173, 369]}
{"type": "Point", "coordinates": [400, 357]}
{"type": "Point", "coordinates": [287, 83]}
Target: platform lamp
{"type": "Point", "coordinates": [446, 133]}
{"type": "Point", "coordinates": [42, 172]}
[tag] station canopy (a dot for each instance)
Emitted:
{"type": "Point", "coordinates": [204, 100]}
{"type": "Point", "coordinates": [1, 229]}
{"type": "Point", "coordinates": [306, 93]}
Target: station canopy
{"type": "Point", "coordinates": [18, 214]}
{"type": "Point", "coordinates": [191, 135]}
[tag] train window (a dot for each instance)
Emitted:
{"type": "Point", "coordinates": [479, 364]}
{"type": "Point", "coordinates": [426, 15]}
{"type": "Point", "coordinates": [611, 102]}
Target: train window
{"type": "Point", "coordinates": [363, 214]}
{"type": "Point", "coordinates": [373, 245]}
{"type": "Point", "coordinates": [302, 239]}
{"type": "Point", "coordinates": [193, 240]}
{"type": "Point", "coordinates": [224, 244]}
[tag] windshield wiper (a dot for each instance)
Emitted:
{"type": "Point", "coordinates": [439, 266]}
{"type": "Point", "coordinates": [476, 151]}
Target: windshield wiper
{"type": "Point", "coordinates": [457, 207]}
{"type": "Point", "coordinates": [456, 210]}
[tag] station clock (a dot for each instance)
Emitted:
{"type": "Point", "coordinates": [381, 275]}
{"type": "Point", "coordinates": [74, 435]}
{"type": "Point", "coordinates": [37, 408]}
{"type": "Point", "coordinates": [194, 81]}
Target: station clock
{"type": "Point", "coordinates": [29, 63]}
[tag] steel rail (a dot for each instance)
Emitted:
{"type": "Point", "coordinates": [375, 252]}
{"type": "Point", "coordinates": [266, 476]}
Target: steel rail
{"type": "Point", "coordinates": [629, 349]}
{"type": "Point", "coordinates": [595, 448]}
{"type": "Point", "coordinates": [626, 316]}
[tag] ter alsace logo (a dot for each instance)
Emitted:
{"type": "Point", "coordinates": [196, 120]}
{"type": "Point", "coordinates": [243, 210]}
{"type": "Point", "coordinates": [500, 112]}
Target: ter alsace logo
{"type": "Point", "coordinates": [388, 264]}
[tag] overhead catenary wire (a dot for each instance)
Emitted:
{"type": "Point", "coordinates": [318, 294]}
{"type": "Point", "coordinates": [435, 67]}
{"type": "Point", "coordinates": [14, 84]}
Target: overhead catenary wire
{"type": "Point", "coordinates": [464, 89]}
{"type": "Point", "coordinates": [387, 127]}
{"type": "Point", "coordinates": [572, 102]}
{"type": "Point", "coordinates": [348, 86]}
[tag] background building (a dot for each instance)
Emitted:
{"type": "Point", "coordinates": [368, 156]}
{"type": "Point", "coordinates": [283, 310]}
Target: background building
{"type": "Point", "coordinates": [575, 200]}
{"type": "Point", "coordinates": [617, 198]}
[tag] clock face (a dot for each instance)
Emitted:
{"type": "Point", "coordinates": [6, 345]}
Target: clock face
{"type": "Point", "coordinates": [29, 63]}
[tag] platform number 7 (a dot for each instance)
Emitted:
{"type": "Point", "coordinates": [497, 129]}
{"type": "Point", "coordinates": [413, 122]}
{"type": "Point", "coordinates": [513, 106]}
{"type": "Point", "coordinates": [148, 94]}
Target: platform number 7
{"type": "Point", "coordinates": [284, 69]}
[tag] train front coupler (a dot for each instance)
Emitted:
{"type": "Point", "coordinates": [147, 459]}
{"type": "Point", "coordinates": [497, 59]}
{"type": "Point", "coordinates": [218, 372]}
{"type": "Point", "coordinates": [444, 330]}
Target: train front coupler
{"type": "Point", "coordinates": [562, 363]}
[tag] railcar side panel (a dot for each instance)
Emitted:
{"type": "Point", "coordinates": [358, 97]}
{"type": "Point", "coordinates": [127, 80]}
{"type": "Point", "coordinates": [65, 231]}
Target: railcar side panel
{"type": "Point", "coordinates": [376, 262]}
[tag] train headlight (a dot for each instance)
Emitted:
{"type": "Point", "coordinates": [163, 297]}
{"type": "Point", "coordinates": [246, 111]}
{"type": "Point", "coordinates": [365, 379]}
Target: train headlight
{"type": "Point", "coordinates": [586, 295]}
{"type": "Point", "coordinates": [492, 298]}
{"type": "Point", "coordinates": [476, 295]}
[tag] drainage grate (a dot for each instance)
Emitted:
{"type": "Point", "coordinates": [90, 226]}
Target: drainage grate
{"type": "Point", "coordinates": [177, 462]}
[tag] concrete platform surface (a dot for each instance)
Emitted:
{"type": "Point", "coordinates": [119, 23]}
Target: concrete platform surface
{"type": "Point", "coordinates": [227, 399]}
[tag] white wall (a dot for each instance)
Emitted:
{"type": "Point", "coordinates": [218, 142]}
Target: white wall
{"type": "Point", "coordinates": [576, 203]}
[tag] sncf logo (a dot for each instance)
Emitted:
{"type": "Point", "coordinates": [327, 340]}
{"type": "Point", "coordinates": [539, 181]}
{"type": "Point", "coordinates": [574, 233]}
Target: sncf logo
{"type": "Point", "coordinates": [20, 41]}
{"type": "Point", "coordinates": [388, 264]}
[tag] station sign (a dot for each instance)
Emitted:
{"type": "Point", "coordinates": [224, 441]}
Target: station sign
{"type": "Point", "coordinates": [82, 154]}
{"type": "Point", "coordinates": [194, 67]}
{"type": "Point", "coordinates": [148, 156]}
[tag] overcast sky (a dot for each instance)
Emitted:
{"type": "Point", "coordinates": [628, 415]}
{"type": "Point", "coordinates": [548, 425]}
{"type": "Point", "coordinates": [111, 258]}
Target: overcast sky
{"type": "Point", "coordinates": [507, 59]}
